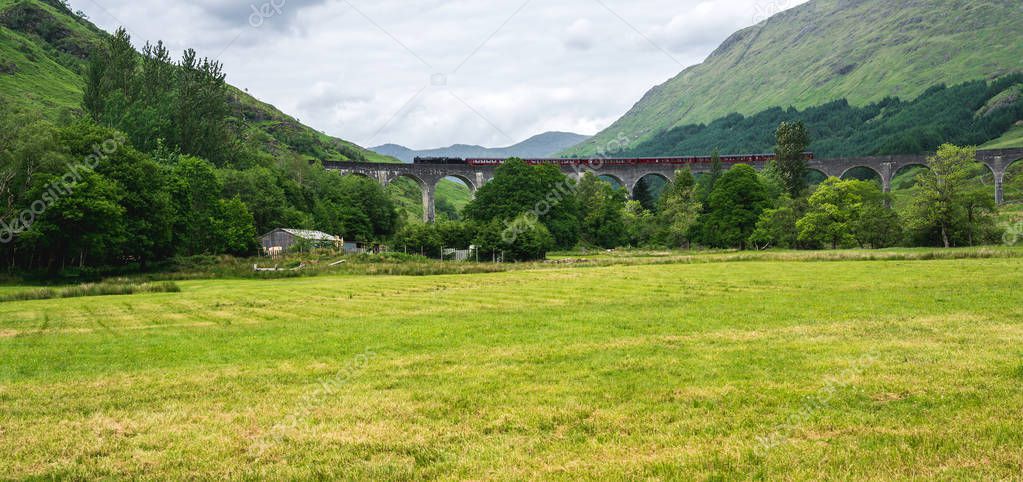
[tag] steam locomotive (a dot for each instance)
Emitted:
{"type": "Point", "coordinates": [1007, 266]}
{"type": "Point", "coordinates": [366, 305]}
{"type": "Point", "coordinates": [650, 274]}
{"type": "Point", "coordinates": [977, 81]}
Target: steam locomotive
{"type": "Point", "coordinates": [687, 160]}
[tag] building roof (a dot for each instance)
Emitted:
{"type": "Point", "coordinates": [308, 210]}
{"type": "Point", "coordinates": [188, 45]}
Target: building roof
{"type": "Point", "coordinates": [308, 234]}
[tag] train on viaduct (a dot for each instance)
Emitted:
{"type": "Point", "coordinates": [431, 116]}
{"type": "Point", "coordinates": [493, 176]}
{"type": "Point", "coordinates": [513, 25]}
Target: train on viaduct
{"type": "Point", "coordinates": [627, 172]}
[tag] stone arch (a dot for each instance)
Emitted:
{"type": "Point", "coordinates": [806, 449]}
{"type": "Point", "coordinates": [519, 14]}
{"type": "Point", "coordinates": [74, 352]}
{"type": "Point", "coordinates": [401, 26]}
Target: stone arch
{"type": "Point", "coordinates": [656, 189]}
{"type": "Point", "coordinates": [418, 180]}
{"type": "Point", "coordinates": [663, 177]}
{"type": "Point", "coordinates": [899, 184]}
{"type": "Point", "coordinates": [815, 176]}
{"type": "Point", "coordinates": [1010, 183]}
{"type": "Point", "coordinates": [451, 199]}
{"type": "Point", "coordinates": [854, 170]}
{"type": "Point", "coordinates": [428, 189]}
{"type": "Point", "coordinates": [469, 183]}
{"type": "Point", "coordinates": [617, 179]}
{"type": "Point", "coordinates": [988, 176]}
{"type": "Point", "coordinates": [990, 169]}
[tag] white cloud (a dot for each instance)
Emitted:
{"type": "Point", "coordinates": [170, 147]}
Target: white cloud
{"type": "Point", "coordinates": [362, 69]}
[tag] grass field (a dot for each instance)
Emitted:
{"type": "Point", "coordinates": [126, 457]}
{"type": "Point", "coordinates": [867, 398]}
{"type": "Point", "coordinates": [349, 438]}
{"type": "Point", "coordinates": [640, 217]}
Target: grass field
{"type": "Point", "coordinates": [719, 370]}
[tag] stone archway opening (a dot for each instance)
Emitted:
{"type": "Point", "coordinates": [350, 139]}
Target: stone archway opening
{"type": "Point", "coordinates": [863, 173]}
{"type": "Point", "coordinates": [1012, 184]}
{"type": "Point", "coordinates": [814, 177]}
{"type": "Point", "coordinates": [982, 178]}
{"type": "Point", "coordinates": [904, 182]}
{"type": "Point", "coordinates": [649, 189]}
{"type": "Point", "coordinates": [614, 181]}
{"type": "Point", "coordinates": [410, 194]}
{"type": "Point", "coordinates": [453, 193]}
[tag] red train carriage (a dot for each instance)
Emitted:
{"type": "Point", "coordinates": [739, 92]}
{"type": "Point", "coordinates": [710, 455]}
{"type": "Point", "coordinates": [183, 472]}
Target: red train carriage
{"type": "Point", "coordinates": [615, 161]}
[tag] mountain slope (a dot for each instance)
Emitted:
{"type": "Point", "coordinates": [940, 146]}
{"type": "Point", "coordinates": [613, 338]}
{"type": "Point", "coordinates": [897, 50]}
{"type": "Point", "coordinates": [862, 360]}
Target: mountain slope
{"type": "Point", "coordinates": [542, 145]}
{"type": "Point", "coordinates": [972, 113]}
{"type": "Point", "coordinates": [861, 50]}
{"type": "Point", "coordinates": [43, 52]}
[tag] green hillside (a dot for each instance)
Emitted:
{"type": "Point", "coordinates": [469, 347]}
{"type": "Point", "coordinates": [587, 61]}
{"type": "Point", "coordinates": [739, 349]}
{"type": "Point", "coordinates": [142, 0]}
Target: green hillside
{"type": "Point", "coordinates": [1012, 138]}
{"type": "Point", "coordinates": [825, 50]}
{"type": "Point", "coordinates": [972, 113]}
{"type": "Point", "coordinates": [43, 50]}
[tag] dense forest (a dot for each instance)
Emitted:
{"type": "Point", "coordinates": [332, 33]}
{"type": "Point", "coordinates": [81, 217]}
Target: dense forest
{"type": "Point", "coordinates": [971, 114]}
{"type": "Point", "coordinates": [154, 171]}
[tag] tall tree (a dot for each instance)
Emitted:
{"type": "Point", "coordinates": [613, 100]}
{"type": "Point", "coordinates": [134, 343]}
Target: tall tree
{"type": "Point", "coordinates": [776, 227]}
{"type": "Point", "coordinates": [600, 212]}
{"type": "Point", "coordinates": [201, 114]}
{"type": "Point", "coordinates": [641, 224]}
{"type": "Point", "coordinates": [708, 181]}
{"type": "Point", "coordinates": [847, 213]}
{"type": "Point", "coordinates": [793, 141]}
{"type": "Point", "coordinates": [941, 189]}
{"type": "Point", "coordinates": [197, 190]}
{"type": "Point", "coordinates": [148, 208]}
{"type": "Point", "coordinates": [644, 195]}
{"type": "Point", "coordinates": [733, 209]}
{"type": "Point", "coordinates": [679, 209]}
{"type": "Point", "coordinates": [542, 191]}
{"type": "Point", "coordinates": [95, 91]}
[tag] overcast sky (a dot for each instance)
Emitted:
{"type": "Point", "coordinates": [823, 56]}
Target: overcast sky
{"type": "Point", "coordinates": [430, 73]}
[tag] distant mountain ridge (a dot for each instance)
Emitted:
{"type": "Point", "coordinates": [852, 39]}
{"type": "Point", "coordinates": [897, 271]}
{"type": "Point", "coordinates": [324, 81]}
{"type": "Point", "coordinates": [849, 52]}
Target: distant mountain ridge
{"type": "Point", "coordinates": [543, 145]}
{"type": "Point", "coordinates": [825, 50]}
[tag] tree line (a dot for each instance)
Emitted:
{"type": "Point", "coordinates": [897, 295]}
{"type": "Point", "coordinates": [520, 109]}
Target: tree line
{"type": "Point", "coordinates": [526, 211]}
{"type": "Point", "coordinates": [154, 170]}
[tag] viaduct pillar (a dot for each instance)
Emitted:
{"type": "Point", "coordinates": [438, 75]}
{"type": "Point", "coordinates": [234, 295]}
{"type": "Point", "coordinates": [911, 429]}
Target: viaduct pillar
{"type": "Point", "coordinates": [887, 174]}
{"type": "Point", "coordinates": [999, 177]}
{"type": "Point", "coordinates": [429, 202]}
{"type": "Point", "coordinates": [999, 192]}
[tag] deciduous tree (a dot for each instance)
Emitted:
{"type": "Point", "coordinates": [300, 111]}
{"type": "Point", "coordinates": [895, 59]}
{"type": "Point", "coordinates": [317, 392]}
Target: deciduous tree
{"type": "Point", "coordinates": [733, 208]}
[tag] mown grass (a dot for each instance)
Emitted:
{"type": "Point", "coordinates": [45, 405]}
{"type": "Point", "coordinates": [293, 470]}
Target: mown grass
{"type": "Point", "coordinates": [670, 371]}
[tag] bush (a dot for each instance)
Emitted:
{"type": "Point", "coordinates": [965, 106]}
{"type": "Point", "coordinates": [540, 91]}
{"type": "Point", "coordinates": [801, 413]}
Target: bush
{"type": "Point", "coordinates": [423, 239]}
{"type": "Point", "coordinates": [523, 239]}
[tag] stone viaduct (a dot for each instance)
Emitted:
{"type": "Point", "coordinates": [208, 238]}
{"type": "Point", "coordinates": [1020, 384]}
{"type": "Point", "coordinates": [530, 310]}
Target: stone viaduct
{"type": "Point", "coordinates": [429, 175]}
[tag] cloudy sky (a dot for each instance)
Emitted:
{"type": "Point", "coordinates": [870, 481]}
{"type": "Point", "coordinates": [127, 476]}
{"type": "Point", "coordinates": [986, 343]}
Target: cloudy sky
{"type": "Point", "coordinates": [430, 73]}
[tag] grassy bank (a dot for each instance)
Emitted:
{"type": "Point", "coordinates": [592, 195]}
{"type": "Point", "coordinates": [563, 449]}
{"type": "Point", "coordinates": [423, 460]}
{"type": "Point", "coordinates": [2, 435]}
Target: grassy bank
{"type": "Point", "coordinates": [89, 289]}
{"type": "Point", "coordinates": [755, 369]}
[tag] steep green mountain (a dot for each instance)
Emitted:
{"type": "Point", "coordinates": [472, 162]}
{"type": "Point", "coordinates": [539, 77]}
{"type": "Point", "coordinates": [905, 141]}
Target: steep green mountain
{"type": "Point", "coordinates": [972, 113]}
{"type": "Point", "coordinates": [824, 50]}
{"type": "Point", "coordinates": [44, 47]}
{"type": "Point", "coordinates": [43, 52]}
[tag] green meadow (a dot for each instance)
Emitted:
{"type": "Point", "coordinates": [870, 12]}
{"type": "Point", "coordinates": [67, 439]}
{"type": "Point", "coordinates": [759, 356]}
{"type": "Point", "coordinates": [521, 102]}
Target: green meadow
{"type": "Point", "coordinates": [778, 367]}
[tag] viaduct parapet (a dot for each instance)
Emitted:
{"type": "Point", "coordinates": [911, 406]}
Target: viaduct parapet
{"type": "Point", "coordinates": [629, 175]}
